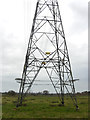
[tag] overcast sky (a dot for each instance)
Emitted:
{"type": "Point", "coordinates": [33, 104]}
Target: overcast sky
{"type": "Point", "coordinates": [16, 18]}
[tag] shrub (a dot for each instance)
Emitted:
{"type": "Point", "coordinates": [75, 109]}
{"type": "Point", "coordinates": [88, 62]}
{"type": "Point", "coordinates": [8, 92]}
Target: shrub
{"type": "Point", "coordinates": [11, 92]}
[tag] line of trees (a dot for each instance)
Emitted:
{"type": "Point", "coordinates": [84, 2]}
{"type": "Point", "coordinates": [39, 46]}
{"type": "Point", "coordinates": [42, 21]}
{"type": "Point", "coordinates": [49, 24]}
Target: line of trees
{"type": "Point", "coordinates": [45, 92]}
{"type": "Point", "coordinates": [12, 93]}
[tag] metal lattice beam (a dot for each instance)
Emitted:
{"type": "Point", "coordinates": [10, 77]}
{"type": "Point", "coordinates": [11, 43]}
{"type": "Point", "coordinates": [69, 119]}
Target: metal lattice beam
{"type": "Point", "coordinates": [47, 26]}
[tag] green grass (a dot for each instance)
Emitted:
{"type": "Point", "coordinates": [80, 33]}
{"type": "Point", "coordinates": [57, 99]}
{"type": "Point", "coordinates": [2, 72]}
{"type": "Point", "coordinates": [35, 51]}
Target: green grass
{"type": "Point", "coordinates": [0, 106]}
{"type": "Point", "coordinates": [44, 107]}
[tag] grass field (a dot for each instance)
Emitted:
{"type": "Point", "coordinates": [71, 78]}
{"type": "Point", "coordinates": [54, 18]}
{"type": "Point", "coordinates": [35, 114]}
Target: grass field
{"type": "Point", "coordinates": [42, 106]}
{"type": "Point", "coordinates": [0, 106]}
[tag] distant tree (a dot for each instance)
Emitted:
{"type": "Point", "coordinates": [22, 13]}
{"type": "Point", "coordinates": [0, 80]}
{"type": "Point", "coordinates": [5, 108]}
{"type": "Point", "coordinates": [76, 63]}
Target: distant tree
{"type": "Point", "coordinates": [11, 92]}
{"type": "Point", "coordinates": [39, 93]}
{"type": "Point", "coordinates": [88, 92]}
{"type": "Point", "coordinates": [85, 92]}
{"type": "Point", "coordinates": [78, 93]}
{"type": "Point", "coordinates": [45, 92]}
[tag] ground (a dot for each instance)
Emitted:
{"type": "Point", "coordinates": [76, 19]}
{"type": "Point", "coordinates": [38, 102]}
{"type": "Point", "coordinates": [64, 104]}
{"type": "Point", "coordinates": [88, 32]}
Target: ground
{"type": "Point", "coordinates": [0, 106]}
{"type": "Point", "coordinates": [44, 106]}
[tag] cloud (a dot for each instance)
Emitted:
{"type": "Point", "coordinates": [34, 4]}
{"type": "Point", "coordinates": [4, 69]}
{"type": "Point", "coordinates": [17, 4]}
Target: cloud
{"type": "Point", "coordinates": [80, 16]}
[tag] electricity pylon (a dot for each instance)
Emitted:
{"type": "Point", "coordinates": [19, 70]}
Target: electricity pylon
{"type": "Point", "coordinates": [54, 58]}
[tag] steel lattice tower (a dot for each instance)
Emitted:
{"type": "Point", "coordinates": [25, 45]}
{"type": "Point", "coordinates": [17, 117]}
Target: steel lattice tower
{"type": "Point", "coordinates": [47, 26]}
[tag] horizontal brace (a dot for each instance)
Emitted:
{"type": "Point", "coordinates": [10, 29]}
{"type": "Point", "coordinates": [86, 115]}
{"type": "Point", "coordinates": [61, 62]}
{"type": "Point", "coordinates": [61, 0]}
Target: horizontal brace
{"type": "Point", "coordinates": [18, 79]}
{"type": "Point", "coordinates": [47, 4]}
{"type": "Point", "coordinates": [24, 83]}
{"type": "Point", "coordinates": [32, 70]}
{"type": "Point", "coordinates": [44, 81]}
{"type": "Point", "coordinates": [63, 84]}
{"type": "Point", "coordinates": [48, 20]}
{"type": "Point", "coordinates": [72, 80]}
{"type": "Point", "coordinates": [43, 84]}
{"type": "Point", "coordinates": [46, 32]}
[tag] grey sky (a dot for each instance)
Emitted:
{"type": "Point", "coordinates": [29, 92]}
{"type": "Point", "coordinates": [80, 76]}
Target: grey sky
{"type": "Point", "coordinates": [88, 45]}
{"type": "Point", "coordinates": [16, 18]}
